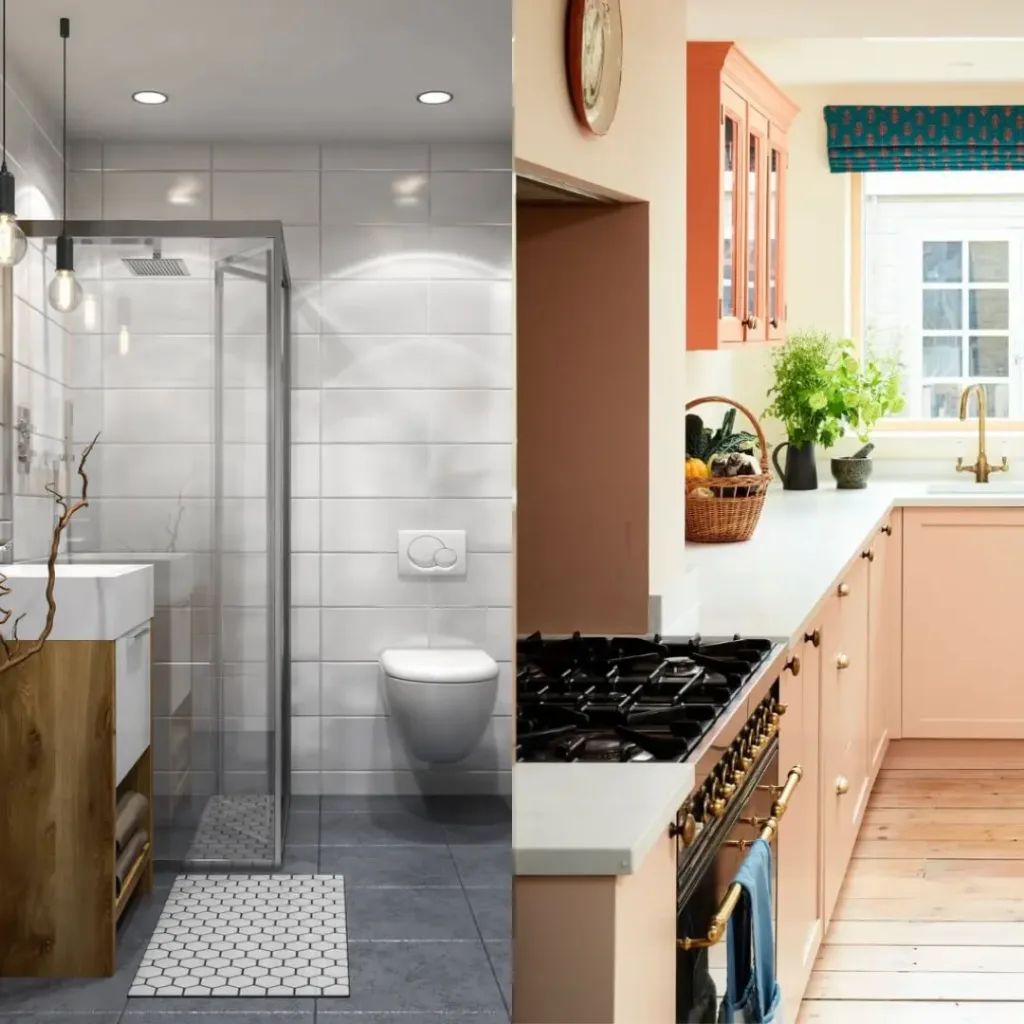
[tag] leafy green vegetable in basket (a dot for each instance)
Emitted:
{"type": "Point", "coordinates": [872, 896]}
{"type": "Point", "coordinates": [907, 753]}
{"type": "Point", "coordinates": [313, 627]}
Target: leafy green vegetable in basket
{"type": "Point", "coordinates": [703, 443]}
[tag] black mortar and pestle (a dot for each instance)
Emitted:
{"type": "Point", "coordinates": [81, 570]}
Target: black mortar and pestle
{"type": "Point", "coordinates": [851, 473]}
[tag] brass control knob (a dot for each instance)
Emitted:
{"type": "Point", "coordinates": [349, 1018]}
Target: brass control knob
{"type": "Point", "coordinates": [842, 785]}
{"type": "Point", "coordinates": [780, 709]}
{"type": "Point", "coordinates": [746, 763]}
{"type": "Point", "coordinates": [687, 831]}
{"type": "Point", "coordinates": [844, 590]}
{"type": "Point", "coordinates": [794, 665]}
{"type": "Point", "coordinates": [728, 788]}
{"type": "Point", "coordinates": [869, 555]}
{"type": "Point", "coordinates": [717, 808]}
{"type": "Point", "coordinates": [842, 661]}
{"type": "Point", "coordinates": [813, 638]}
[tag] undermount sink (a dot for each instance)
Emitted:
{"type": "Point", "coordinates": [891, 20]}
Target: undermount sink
{"type": "Point", "coordinates": [995, 485]}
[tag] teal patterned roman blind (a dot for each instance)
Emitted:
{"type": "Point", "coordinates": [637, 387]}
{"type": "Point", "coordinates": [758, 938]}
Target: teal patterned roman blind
{"type": "Point", "coordinates": [925, 139]}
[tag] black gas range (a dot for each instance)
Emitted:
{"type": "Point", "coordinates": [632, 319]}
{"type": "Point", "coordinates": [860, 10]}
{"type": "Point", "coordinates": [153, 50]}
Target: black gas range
{"type": "Point", "coordinates": [591, 698]}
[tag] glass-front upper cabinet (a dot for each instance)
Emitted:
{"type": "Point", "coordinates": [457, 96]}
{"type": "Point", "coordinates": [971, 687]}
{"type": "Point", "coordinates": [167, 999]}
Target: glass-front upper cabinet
{"type": "Point", "coordinates": [755, 307]}
{"type": "Point", "coordinates": [732, 248]}
{"type": "Point", "coordinates": [776, 306]}
{"type": "Point", "coordinates": [735, 198]}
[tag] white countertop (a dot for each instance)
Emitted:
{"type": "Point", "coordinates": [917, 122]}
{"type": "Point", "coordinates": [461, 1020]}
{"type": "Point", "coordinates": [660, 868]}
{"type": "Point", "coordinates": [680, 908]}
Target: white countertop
{"type": "Point", "coordinates": [592, 819]}
{"type": "Point", "coordinates": [770, 585]}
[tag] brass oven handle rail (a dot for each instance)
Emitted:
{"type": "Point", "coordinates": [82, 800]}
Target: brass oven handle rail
{"type": "Point", "coordinates": [719, 921]}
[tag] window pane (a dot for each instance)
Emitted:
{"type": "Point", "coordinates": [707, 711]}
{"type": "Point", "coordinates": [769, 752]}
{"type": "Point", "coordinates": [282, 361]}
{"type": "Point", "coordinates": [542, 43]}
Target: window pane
{"type": "Point", "coordinates": [998, 400]}
{"type": "Point", "coordinates": [942, 261]}
{"type": "Point", "coordinates": [941, 401]}
{"type": "Point", "coordinates": [989, 357]}
{"type": "Point", "coordinates": [941, 356]}
{"type": "Point", "coordinates": [989, 261]}
{"type": "Point", "coordinates": [989, 309]}
{"type": "Point", "coordinates": [941, 310]}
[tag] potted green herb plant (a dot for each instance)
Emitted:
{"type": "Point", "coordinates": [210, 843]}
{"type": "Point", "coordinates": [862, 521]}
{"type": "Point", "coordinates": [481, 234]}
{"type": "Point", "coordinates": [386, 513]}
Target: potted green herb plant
{"type": "Point", "coordinates": [821, 390]}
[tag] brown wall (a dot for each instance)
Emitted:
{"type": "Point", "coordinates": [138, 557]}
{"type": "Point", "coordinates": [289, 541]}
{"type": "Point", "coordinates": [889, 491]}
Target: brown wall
{"type": "Point", "coordinates": [583, 411]}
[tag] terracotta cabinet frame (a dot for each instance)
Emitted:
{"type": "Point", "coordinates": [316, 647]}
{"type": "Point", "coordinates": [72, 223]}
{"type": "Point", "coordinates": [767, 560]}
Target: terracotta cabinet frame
{"type": "Point", "coordinates": [722, 83]}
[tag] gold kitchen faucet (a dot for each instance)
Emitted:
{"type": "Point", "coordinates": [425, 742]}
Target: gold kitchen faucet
{"type": "Point", "coordinates": [982, 467]}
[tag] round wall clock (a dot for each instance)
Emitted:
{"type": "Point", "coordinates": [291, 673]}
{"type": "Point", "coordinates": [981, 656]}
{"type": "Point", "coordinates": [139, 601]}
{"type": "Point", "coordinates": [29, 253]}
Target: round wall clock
{"type": "Point", "coordinates": [594, 61]}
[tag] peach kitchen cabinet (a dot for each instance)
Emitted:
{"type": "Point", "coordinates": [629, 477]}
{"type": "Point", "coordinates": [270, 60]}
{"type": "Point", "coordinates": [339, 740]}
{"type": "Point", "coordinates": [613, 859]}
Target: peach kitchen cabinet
{"type": "Point", "coordinates": [737, 121]}
{"type": "Point", "coordinates": [961, 623]}
{"type": "Point", "coordinates": [844, 711]}
{"type": "Point", "coordinates": [885, 570]}
{"type": "Point", "coordinates": [800, 916]}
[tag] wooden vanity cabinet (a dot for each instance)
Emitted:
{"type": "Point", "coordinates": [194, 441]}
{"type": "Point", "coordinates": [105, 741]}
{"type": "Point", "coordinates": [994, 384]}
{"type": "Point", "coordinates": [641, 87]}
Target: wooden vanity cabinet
{"type": "Point", "coordinates": [800, 916]}
{"type": "Point", "coordinates": [737, 124]}
{"type": "Point", "coordinates": [961, 623]}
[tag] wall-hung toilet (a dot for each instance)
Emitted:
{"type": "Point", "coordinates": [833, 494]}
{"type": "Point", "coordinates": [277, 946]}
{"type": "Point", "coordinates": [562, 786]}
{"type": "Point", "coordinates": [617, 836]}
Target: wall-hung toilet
{"type": "Point", "coordinates": [441, 700]}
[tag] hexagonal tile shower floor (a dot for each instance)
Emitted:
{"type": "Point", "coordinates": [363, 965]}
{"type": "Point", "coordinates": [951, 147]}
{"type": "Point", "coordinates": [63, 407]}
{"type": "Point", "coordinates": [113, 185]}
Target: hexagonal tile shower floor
{"type": "Point", "coordinates": [249, 935]}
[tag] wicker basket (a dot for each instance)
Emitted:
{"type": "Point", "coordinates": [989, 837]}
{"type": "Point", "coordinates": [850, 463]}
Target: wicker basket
{"type": "Point", "coordinates": [714, 518]}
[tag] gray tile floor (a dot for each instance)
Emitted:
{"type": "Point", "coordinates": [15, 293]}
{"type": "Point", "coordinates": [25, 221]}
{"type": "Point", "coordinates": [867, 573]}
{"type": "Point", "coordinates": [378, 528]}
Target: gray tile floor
{"type": "Point", "coordinates": [429, 900]}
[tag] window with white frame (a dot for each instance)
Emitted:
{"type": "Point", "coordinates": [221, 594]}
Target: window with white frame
{"type": "Point", "coordinates": [944, 285]}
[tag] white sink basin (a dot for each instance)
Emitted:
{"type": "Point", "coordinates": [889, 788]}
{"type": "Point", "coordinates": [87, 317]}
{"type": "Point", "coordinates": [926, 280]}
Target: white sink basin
{"type": "Point", "coordinates": [997, 485]}
{"type": "Point", "coordinates": [94, 602]}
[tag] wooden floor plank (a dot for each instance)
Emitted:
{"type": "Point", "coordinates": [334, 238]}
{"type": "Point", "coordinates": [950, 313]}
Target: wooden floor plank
{"type": "Point", "coordinates": [962, 959]}
{"type": "Point", "coordinates": [915, 850]}
{"type": "Point", "coordinates": [968, 776]}
{"type": "Point", "coordinates": [949, 985]}
{"type": "Point", "coordinates": [952, 888]}
{"type": "Point", "coordinates": [940, 832]}
{"type": "Point", "coordinates": [984, 816]}
{"type": "Point", "coordinates": [937, 869]}
{"type": "Point", "coordinates": [929, 909]}
{"type": "Point", "coordinates": [960, 798]}
{"type": "Point", "coordinates": [877, 867]}
{"type": "Point", "coordinates": [926, 933]}
{"type": "Point", "coordinates": [873, 1012]}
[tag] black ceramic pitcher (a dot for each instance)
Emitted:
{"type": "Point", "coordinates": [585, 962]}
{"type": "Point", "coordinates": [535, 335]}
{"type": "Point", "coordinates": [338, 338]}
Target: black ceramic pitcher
{"type": "Point", "coordinates": [801, 472]}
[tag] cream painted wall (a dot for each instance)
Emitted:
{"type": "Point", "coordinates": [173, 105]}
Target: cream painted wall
{"type": "Point", "coordinates": [642, 157]}
{"type": "Point", "coordinates": [818, 252]}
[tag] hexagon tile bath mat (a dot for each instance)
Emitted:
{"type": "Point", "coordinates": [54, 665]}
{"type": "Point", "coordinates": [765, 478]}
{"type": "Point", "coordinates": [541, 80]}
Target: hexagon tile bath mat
{"type": "Point", "coordinates": [249, 935]}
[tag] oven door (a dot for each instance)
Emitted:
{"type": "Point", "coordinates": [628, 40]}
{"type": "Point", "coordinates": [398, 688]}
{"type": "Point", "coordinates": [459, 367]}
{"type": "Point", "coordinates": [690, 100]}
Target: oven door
{"type": "Point", "coordinates": [704, 882]}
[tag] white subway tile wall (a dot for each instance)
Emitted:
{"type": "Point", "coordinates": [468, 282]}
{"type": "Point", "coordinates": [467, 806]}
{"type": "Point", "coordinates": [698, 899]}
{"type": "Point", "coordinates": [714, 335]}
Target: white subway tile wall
{"type": "Point", "coordinates": [402, 418]}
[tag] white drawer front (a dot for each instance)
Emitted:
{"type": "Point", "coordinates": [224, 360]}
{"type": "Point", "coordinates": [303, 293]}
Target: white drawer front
{"type": "Point", "coordinates": [133, 711]}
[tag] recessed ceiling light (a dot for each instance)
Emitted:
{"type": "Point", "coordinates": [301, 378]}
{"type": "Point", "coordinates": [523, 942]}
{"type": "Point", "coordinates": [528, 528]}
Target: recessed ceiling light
{"type": "Point", "coordinates": [435, 97]}
{"type": "Point", "coordinates": [149, 96]}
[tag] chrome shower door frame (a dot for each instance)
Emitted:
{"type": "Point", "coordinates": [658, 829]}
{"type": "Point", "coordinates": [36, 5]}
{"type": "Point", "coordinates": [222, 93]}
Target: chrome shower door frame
{"type": "Point", "coordinates": [278, 282]}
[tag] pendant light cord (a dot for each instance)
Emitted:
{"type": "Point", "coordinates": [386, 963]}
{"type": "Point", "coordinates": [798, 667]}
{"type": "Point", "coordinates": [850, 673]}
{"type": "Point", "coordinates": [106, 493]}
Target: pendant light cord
{"type": "Point", "coordinates": [3, 103]}
{"type": "Point", "coordinates": [65, 31]}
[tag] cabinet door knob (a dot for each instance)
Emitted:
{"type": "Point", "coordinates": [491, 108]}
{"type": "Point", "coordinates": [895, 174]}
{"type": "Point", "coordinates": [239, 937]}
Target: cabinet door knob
{"type": "Point", "coordinates": [844, 590]}
{"type": "Point", "coordinates": [813, 638]}
{"type": "Point", "coordinates": [842, 785]}
{"type": "Point", "coordinates": [887, 530]}
{"type": "Point", "coordinates": [774, 322]}
{"type": "Point", "coordinates": [794, 665]}
{"type": "Point", "coordinates": [750, 322]}
{"type": "Point", "coordinates": [869, 554]}
{"type": "Point", "coordinates": [842, 661]}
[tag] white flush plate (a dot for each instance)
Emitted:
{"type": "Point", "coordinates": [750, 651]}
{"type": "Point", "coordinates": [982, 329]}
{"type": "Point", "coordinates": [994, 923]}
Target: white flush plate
{"type": "Point", "coordinates": [431, 553]}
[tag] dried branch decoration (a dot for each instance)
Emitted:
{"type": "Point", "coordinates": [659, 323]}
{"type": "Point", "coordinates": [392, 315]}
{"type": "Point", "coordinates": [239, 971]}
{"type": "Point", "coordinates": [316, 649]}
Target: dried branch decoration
{"type": "Point", "coordinates": [12, 657]}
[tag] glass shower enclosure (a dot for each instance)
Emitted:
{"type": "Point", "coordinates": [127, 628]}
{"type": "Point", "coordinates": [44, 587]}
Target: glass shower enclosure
{"type": "Point", "coordinates": [178, 359]}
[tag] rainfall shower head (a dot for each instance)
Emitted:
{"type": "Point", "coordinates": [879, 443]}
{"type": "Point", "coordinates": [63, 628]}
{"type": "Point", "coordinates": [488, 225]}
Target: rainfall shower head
{"type": "Point", "coordinates": [156, 265]}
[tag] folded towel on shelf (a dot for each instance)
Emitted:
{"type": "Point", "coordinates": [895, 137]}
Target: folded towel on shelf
{"type": "Point", "coordinates": [132, 814]}
{"type": "Point", "coordinates": [752, 994]}
{"type": "Point", "coordinates": [133, 848]}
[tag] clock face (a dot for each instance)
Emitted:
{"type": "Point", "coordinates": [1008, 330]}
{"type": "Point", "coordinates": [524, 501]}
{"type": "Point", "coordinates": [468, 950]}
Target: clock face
{"type": "Point", "coordinates": [595, 61]}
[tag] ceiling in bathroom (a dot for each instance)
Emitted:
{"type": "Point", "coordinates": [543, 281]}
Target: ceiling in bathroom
{"type": "Point", "coordinates": [269, 69]}
{"type": "Point", "coordinates": [794, 61]}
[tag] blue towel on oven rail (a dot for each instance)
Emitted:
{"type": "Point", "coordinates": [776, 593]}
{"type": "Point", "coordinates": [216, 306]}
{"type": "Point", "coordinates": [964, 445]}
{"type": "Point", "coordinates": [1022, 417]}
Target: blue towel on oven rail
{"type": "Point", "coordinates": [752, 994]}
